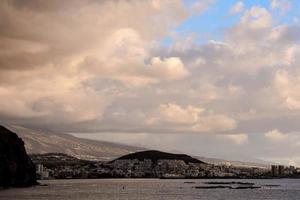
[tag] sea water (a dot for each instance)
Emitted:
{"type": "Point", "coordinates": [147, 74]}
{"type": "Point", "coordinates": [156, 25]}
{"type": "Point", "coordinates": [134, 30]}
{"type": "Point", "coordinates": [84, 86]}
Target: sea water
{"type": "Point", "coordinates": [145, 189]}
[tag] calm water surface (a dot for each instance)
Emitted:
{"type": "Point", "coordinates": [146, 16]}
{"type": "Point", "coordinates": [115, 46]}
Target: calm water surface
{"type": "Point", "coordinates": [142, 189]}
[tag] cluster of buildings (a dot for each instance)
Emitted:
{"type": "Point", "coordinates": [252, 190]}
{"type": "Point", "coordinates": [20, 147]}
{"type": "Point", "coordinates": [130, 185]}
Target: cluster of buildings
{"type": "Point", "coordinates": [62, 172]}
{"type": "Point", "coordinates": [159, 169]}
{"type": "Point", "coordinates": [179, 169]}
{"type": "Point", "coordinates": [283, 171]}
{"type": "Point", "coordinates": [59, 167]}
{"type": "Point", "coordinates": [42, 172]}
{"type": "Point", "coordinates": [134, 168]}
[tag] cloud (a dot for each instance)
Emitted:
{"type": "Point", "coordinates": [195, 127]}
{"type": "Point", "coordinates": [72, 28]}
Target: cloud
{"type": "Point", "coordinates": [257, 18]}
{"type": "Point", "coordinates": [53, 52]}
{"type": "Point", "coordinates": [233, 77]}
{"type": "Point", "coordinates": [289, 138]}
{"type": "Point", "coordinates": [174, 113]}
{"type": "Point", "coordinates": [103, 67]}
{"type": "Point", "coordinates": [237, 8]}
{"type": "Point", "coordinates": [191, 118]}
{"type": "Point", "coordinates": [66, 100]}
{"type": "Point", "coordinates": [238, 139]}
{"type": "Point", "coordinates": [168, 69]}
{"type": "Point", "coordinates": [287, 86]}
{"type": "Point", "coordinates": [275, 135]}
{"type": "Point", "coordinates": [68, 67]}
{"type": "Point", "coordinates": [283, 5]}
{"type": "Point", "coordinates": [200, 6]}
{"type": "Point", "coordinates": [245, 42]}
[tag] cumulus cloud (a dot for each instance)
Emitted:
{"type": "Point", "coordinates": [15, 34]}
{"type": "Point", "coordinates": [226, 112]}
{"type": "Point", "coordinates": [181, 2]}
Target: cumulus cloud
{"type": "Point", "coordinates": [93, 66]}
{"type": "Point", "coordinates": [65, 100]}
{"type": "Point", "coordinates": [241, 73]}
{"type": "Point", "coordinates": [287, 86]}
{"type": "Point", "coordinates": [238, 139]}
{"type": "Point", "coordinates": [168, 69]}
{"type": "Point", "coordinates": [124, 59]}
{"type": "Point", "coordinates": [102, 66]}
{"type": "Point", "coordinates": [257, 18]}
{"type": "Point", "coordinates": [244, 43]}
{"type": "Point", "coordinates": [237, 8]}
{"type": "Point", "coordinates": [283, 5]}
{"type": "Point", "coordinates": [275, 135]}
{"type": "Point", "coordinates": [280, 138]}
{"type": "Point", "coordinates": [200, 6]}
{"type": "Point", "coordinates": [174, 113]}
{"type": "Point", "coordinates": [53, 51]}
{"type": "Point", "coordinates": [191, 118]}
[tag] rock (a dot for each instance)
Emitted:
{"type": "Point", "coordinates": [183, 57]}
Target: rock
{"type": "Point", "coordinates": [16, 168]}
{"type": "Point", "coordinates": [229, 183]}
{"type": "Point", "coordinates": [213, 187]}
{"type": "Point", "coordinates": [189, 182]}
{"type": "Point", "coordinates": [228, 187]}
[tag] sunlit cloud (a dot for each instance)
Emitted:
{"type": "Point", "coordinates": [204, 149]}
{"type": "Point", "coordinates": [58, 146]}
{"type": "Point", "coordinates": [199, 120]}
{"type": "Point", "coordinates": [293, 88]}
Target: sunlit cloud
{"type": "Point", "coordinates": [154, 67]}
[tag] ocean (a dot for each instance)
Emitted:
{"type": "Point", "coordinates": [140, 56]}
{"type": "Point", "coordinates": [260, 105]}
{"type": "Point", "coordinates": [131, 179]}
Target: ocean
{"type": "Point", "coordinates": [165, 189]}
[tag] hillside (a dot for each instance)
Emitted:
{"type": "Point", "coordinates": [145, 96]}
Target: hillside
{"type": "Point", "coordinates": [40, 142]}
{"type": "Point", "coordinates": [54, 160]}
{"type": "Point", "coordinates": [236, 163]}
{"type": "Point", "coordinates": [159, 155]}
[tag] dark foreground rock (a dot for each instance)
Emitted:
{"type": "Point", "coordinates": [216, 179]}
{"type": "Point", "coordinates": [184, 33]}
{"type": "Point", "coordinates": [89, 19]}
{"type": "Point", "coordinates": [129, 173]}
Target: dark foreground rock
{"type": "Point", "coordinates": [16, 168]}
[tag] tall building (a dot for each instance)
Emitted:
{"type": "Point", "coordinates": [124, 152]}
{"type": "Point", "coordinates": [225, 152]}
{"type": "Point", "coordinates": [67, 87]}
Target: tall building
{"type": "Point", "coordinates": [275, 171]}
{"type": "Point", "coordinates": [39, 168]}
{"type": "Point", "coordinates": [42, 173]}
{"type": "Point", "coordinates": [281, 170]}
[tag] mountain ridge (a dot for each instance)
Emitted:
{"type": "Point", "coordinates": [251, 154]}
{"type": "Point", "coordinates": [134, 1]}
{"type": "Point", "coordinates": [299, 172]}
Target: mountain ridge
{"type": "Point", "coordinates": [40, 142]}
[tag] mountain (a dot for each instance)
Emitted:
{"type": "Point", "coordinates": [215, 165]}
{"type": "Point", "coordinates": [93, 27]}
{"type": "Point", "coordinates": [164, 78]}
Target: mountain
{"type": "Point", "coordinates": [40, 142]}
{"type": "Point", "coordinates": [154, 156]}
{"type": "Point", "coordinates": [16, 168]}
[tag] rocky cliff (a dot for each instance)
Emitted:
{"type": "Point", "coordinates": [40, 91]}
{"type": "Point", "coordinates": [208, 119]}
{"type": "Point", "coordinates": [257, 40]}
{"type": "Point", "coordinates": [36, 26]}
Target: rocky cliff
{"type": "Point", "coordinates": [16, 168]}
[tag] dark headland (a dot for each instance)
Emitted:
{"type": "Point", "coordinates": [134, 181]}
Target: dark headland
{"type": "Point", "coordinates": [16, 168]}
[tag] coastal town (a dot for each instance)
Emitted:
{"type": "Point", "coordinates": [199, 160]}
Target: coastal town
{"type": "Point", "coordinates": [61, 166]}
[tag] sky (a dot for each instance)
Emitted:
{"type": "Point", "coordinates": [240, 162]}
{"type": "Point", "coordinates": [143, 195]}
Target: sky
{"type": "Point", "coordinates": [210, 77]}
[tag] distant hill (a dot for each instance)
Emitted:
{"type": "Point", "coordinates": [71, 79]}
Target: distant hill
{"type": "Point", "coordinates": [218, 161]}
{"type": "Point", "coordinates": [159, 155]}
{"type": "Point", "coordinates": [53, 160]}
{"type": "Point", "coordinates": [41, 142]}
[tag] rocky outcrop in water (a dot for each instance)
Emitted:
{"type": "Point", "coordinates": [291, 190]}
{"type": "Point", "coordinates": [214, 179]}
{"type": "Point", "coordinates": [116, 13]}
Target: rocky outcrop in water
{"type": "Point", "coordinates": [16, 168]}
